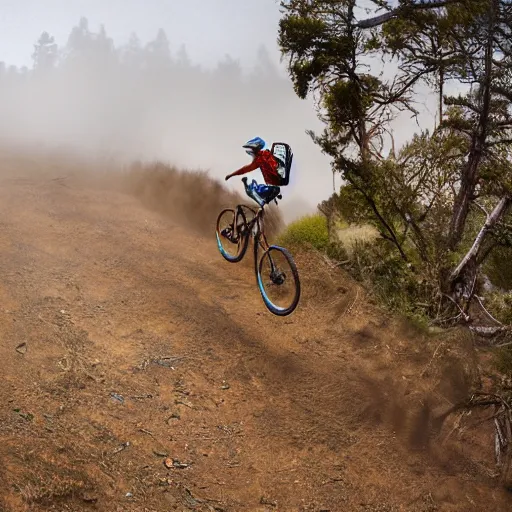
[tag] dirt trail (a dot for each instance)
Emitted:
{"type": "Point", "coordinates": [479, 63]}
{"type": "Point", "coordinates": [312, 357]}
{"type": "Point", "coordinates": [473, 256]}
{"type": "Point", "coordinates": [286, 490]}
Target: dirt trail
{"type": "Point", "coordinates": [127, 341]}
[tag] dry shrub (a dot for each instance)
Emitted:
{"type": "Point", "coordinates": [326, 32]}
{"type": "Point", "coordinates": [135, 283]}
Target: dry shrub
{"type": "Point", "coordinates": [349, 235]}
{"type": "Point", "coordinates": [189, 197]}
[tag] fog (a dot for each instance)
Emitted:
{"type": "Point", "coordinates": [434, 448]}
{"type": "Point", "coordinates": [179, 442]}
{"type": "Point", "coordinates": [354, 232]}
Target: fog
{"type": "Point", "coordinates": [151, 97]}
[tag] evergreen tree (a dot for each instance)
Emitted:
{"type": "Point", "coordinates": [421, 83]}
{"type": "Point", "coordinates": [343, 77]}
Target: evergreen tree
{"type": "Point", "coordinates": [45, 53]}
{"type": "Point", "coordinates": [462, 42]}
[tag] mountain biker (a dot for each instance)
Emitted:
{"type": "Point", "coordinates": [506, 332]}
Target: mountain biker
{"type": "Point", "coordinates": [265, 161]}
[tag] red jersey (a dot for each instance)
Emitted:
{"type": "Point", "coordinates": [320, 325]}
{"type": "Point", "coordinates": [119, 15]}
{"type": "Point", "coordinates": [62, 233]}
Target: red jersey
{"type": "Point", "coordinates": [267, 165]}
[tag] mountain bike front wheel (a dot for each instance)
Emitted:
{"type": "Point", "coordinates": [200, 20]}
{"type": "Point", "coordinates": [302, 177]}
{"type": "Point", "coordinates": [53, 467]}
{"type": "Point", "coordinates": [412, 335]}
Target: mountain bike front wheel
{"type": "Point", "coordinates": [278, 281]}
{"type": "Point", "coordinates": [232, 243]}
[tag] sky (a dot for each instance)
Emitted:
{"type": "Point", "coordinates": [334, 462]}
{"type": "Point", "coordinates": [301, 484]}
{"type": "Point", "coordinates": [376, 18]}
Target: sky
{"type": "Point", "coordinates": [210, 30]}
{"type": "Point", "coordinates": [234, 27]}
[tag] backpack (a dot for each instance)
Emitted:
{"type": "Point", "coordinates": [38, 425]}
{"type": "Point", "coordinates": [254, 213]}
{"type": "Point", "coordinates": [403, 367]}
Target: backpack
{"type": "Point", "coordinates": [283, 154]}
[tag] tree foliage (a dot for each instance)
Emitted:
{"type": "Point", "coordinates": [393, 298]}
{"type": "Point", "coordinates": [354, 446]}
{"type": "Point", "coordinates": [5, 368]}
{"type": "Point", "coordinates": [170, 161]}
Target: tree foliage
{"type": "Point", "coordinates": [45, 53]}
{"type": "Point", "coordinates": [440, 202]}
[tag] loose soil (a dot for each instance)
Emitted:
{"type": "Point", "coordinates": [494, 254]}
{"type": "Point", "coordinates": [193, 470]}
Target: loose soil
{"type": "Point", "coordinates": [142, 372]}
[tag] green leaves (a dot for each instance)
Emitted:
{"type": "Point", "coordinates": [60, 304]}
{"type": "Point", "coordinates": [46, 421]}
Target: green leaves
{"type": "Point", "coordinates": [343, 103]}
{"type": "Point", "coordinates": [420, 196]}
{"type": "Point", "coordinates": [313, 50]}
{"type": "Point", "coordinates": [298, 35]}
{"type": "Point", "coordinates": [304, 72]}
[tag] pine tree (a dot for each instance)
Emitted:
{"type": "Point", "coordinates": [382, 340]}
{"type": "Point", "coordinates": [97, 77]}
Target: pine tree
{"type": "Point", "coordinates": [45, 53]}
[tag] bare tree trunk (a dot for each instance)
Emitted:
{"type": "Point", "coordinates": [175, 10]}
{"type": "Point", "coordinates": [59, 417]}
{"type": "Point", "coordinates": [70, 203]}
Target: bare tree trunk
{"type": "Point", "coordinates": [328, 209]}
{"type": "Point", "coordinates": [441, 90]}
{"type": "Point", "coordinates": [469, 177]}
{"type": "Point", "coordinates": [467, 268]}
{"type": "Point", "coordinates": [466, 193]}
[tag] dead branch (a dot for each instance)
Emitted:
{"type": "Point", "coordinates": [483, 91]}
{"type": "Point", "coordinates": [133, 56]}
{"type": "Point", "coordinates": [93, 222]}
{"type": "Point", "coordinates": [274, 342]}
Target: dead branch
{"type": "Point", "coordinates": [489, 332]}
{"type": "Point", "coordinates": [487, 312]}
{"type": "Point", "coordinates": [462, 312]}
{"type": "Point", "coordinates": [383, 18]}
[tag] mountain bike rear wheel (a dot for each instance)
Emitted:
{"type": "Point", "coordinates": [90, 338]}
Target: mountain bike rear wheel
{"type": "Point", "coordinates": [232, 243]}
{"type": "Point", "coordinates": [278, 281]}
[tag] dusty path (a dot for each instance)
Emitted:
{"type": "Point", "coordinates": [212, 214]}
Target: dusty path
{"type": "Point", "coordinates": [137, 344]}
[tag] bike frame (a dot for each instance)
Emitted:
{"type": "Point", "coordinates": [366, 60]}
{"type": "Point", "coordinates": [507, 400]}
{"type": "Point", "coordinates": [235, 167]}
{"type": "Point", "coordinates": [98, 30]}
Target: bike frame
{"type": "Point", "coordinates": [259, 236]}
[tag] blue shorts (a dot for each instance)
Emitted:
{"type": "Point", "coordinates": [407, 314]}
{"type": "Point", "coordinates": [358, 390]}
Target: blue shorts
{"type": "Point", "coordinates": [263, 193]}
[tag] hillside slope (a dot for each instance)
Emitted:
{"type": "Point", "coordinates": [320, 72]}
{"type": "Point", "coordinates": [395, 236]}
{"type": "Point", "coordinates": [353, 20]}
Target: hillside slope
{"type": "Point", "coordinates": [128, 342]}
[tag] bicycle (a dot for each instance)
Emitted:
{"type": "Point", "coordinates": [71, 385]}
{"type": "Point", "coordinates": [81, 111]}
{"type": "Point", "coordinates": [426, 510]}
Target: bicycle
{"type": "Point", "coordinates": [233, 226]}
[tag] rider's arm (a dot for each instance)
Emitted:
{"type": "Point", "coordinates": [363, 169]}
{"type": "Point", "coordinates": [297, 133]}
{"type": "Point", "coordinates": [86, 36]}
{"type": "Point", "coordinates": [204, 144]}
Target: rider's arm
{"type": "Point", "coordinates": [245, 169]}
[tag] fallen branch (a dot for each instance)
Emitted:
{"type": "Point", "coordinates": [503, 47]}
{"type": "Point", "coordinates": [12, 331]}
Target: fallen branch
{"type": "Point", "coordinates": [487, 312]}
{"type": "Point", "coordinates": [492, 219]}
{"type": "Point", "coordinates": [501, 418]}
{"type": "Point", "coordinates": [462, 312]}
{"type": "Point", "coordinates": [489, 332]}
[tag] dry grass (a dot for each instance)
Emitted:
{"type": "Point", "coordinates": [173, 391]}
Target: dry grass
{"type": "Point", "coordinates": [191, 197]}
{"type": "Point", "coordinates": [349, 235]}
{"type": "Point", "coordinates": [42, 490]}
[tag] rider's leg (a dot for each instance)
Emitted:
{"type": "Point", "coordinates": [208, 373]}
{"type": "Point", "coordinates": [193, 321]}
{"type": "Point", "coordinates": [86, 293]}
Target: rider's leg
{"type": "Point", "coordinates": [253, 188]}
{"type": "Point", "coordinates": [267, 192]}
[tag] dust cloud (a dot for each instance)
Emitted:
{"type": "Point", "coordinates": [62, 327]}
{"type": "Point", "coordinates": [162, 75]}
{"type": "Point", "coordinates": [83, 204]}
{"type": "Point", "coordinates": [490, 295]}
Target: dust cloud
{"type": "Point", "coordinates": [145, 102]}
{"type": "Point", "coordinates": [191, 197]}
